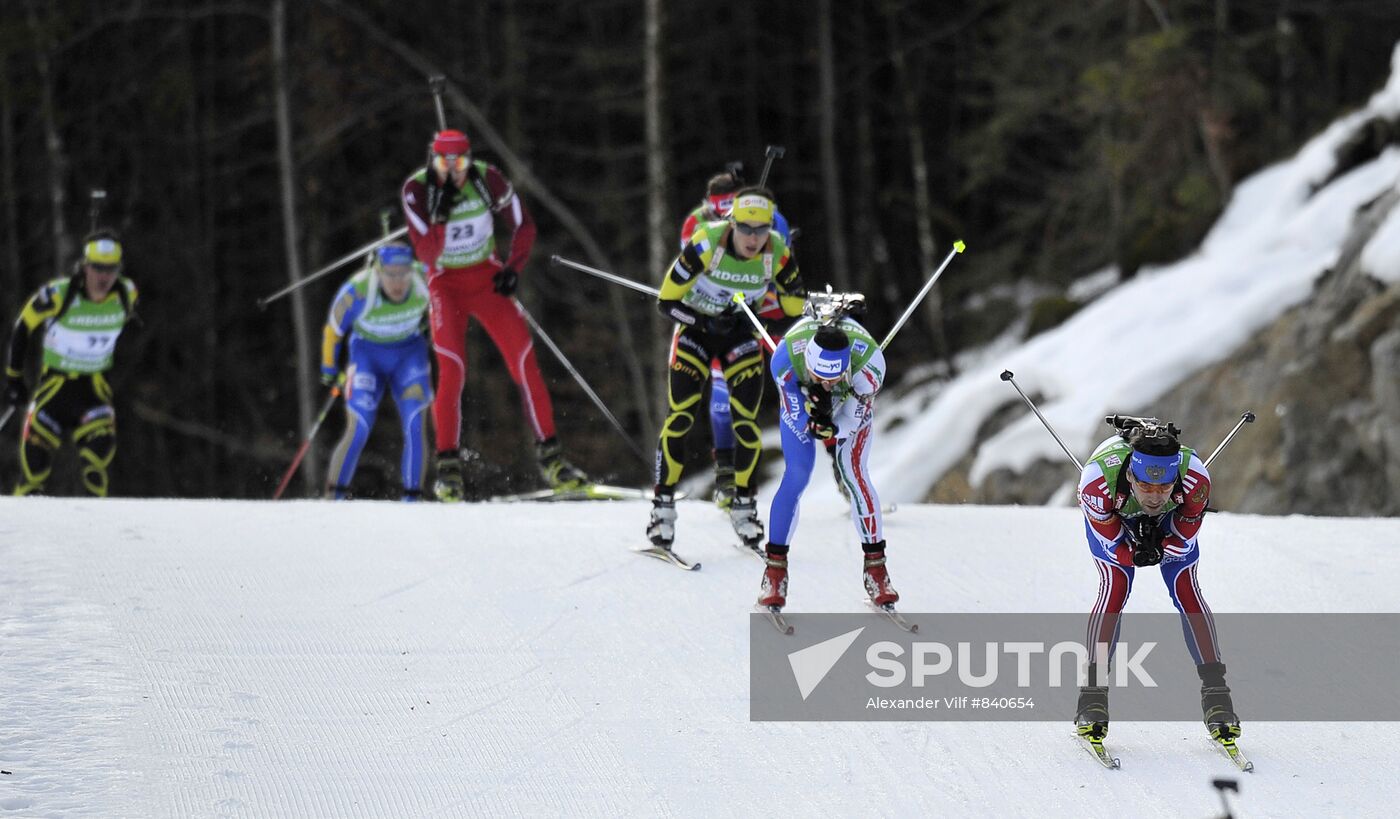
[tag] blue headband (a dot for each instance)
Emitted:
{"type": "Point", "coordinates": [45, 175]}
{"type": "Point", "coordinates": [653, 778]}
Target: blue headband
{"type": "Point", "coordinates": [1155, 468]}
{"type": "Point", "coordinates": [827, 364]}
{"type": "Point", "coordinates": [395, 254]}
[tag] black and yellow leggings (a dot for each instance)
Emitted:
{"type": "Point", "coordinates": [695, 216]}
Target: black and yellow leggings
{"type": "Point", "coordinates": [691, 353]}
{"type": "Point", "coordinates": [74, 407]}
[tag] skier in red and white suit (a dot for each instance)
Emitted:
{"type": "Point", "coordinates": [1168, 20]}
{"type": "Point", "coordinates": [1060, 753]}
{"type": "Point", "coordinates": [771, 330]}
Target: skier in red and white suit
{"type": "Point", "coordinates": [452, 207]}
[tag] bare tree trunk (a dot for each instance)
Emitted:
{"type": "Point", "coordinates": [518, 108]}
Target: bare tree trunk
{"type": "Point", "coordinates": [658, 230]}
{"type": "Point", "coordinates": [831, 166]}
{"type": "Point", "coordinates": [311, 468]}
{"type": "Point", "coordinates": [13, 279]}
{"type": "Point", "coordinates": [923, 207]}
{"type": "Point", "coordinates": [53, 144]}
{"type": "Point", "coordinates": [1209, 119]}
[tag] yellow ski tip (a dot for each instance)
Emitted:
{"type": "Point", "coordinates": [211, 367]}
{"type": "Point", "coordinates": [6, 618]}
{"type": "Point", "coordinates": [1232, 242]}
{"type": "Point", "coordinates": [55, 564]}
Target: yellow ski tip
{"type": "Point", "coordinates": [959, 246]}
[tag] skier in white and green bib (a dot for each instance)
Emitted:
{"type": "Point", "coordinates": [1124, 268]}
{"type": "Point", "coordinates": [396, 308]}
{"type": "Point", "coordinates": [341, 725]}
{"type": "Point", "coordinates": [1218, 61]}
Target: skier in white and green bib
{"type": "Point", "coordinates": [382, 309]}
{"type": "Point", "coordinates": [827, 375]}
{"type": "Point", "coordinates": [81, 318]}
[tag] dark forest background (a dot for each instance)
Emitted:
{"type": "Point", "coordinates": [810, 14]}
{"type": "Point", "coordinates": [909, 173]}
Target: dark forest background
{"type": "Point", "coordinates": [245, 143]}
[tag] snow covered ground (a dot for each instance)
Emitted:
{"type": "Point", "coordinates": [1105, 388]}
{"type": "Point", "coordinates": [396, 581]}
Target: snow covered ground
{"type": "Point", "coordinates": [311, 659]}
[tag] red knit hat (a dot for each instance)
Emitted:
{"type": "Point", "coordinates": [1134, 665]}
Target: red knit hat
{"type": "Point", "coordinates": [451, 142]}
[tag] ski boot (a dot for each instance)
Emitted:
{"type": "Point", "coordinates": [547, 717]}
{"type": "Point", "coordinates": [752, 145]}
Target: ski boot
{"type": "Point", "coordinates": [772, 591]}
{"type": "Point", "coordinates": [1091, 718]}
{"type": "Point", "coordinates": [448, 487]}
{"type": "Point", "coordinates": [743, 514]}
{"type": "Point", "coordinates": [561, 475]}
{"type": "Point", "coordinates": [877, 579]}
{"type": "Point", "coordinates": [661, 529]}
{"type": "Point", "coordinates": [724, 478]}
{"type": "Point", "coordinates": [1216, 707]}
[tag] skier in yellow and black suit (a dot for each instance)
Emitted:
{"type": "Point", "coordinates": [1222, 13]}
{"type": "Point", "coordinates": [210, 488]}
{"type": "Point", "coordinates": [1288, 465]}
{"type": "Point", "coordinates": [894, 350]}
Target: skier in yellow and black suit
{"type": "Point", "coordinates": [739, 256]}
{"type": "Point", "coordinates": [81, 317]}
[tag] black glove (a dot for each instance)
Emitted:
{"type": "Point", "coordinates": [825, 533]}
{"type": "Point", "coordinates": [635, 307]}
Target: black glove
{"type": "Point", "coordinates": [441, 198]}
{"type": "Point", "coordinates": [821, 428]}
{"type": "Point", "coordinates": [1145, 536]}
{"type": "Point", "coordinates": [505, 281]}
{"type": "Point", "coordinates": [16, 393]}
{"type": "Point", "coordinates": [819, 412]}
{"type": "Point", "coordinates": [723, 324]}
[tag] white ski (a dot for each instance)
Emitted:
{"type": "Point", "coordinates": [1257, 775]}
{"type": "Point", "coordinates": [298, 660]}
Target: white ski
{"type": "Point", "coordinates": [775, 616]}
{"type": "Point", "coordinates": [889, 613]}
{"type": "Point", "coordinates": [668, 556]}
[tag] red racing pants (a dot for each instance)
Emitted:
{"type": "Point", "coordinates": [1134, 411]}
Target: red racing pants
{"type": "Point", "coordinates": [459, 295]}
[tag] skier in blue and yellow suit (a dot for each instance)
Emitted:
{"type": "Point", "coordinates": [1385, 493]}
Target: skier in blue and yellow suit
{"type": "Point", "coordinates": [382, 309]}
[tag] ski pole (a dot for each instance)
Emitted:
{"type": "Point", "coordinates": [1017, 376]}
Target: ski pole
{"type": "Point", "coordinates": [1007, 375]}
{"type": "Point", "coordinates": [331, 268]}
{"type": "Point", "coordinates": [96, 198]}
{"type": "Point", "coordinates": [598, 402]}
{"type": "Point", "coordinates": [1246, 418]}
{"type": "Point", "coordinates": [772, 152]}
{"type": "Point", "coordinates": [306, 445]}
{"type": "Point", "coordinates": [436, 84]}
{"type": "Point", "coordinates": [958, 247]}
{"type": "Point", "coordinates": [743, 305]}
{"type": "Point", "coordinates": [5, 419]}
{"type": "Point", "coordinates": [560, 261]}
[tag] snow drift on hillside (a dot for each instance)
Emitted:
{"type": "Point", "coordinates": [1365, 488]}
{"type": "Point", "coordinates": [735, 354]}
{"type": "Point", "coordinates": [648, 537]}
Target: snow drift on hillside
{"type": "Point", "coordinates": [1262, 257]}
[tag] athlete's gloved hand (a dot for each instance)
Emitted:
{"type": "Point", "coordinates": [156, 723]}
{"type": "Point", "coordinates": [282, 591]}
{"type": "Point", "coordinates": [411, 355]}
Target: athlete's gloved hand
{"type": "Point", "coordinates": [440, 200]}
{"type": "Point", "coordinates": [818, 402]}
{"type": "Point", "coordinates": [1145, 537]}
{"type": "Point", "coordinates": [329, 376]}
{"type": "Point", "coordinates": [723, 324]}
{"type": "Point", "coordinates": [16, 393]}
{"type": "Point", "coordinates": [505, 281]}
{"type": "Point", "coordinates": [823, 429]}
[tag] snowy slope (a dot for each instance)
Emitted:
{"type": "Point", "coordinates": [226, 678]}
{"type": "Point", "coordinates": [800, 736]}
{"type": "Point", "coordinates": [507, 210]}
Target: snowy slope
{"type": "Point", "coordinates": [1280, 232]}
{"type": "Point", "coordinates": [372, 659]}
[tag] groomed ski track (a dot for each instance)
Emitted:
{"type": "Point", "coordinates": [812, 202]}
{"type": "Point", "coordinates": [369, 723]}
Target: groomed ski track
{"type": "Point", "coordinates": [208, 658]}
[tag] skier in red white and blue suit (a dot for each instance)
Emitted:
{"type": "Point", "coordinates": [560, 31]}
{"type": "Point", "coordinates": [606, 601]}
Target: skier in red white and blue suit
{"type": "Point", "coordinates": [1144, 498]}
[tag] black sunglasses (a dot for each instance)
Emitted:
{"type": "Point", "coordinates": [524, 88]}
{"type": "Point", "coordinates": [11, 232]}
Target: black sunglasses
{"type": "Point", "coordinates": [752, 230]}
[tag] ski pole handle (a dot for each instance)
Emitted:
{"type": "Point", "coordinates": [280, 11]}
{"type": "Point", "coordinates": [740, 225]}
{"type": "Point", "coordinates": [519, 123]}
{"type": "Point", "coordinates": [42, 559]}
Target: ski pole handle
{"type": "Point", "coordinates": [436, 84]}
{"type": "Point", "coordinates": [772, 152]}
{"type": "Point", "coordinates": [743, 305]}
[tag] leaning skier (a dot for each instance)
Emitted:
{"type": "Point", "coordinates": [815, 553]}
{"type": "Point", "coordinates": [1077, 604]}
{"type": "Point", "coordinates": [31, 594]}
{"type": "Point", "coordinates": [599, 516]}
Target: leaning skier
{"type": "Point", "coordinates": [1144, 496]}
{"type": "Point", "coordinates": [827, 373]}
{"type": "Point", "coordinates": [718, 202]}
{"type": "Point", "coordinates": [741, 255]}
{"type": "Point", "coordinates": [383, 310]}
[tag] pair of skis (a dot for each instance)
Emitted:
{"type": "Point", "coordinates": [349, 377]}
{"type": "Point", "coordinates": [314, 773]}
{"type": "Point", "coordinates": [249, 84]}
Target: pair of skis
{"type": "Point", "coordinates": [587, 492]}
{"type": "Point", "coordinates": [665, 554]}
{"type": "Point", "coordinates": [1227, 745]}
{"type": "Point", "coordinates": [774, 614]}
